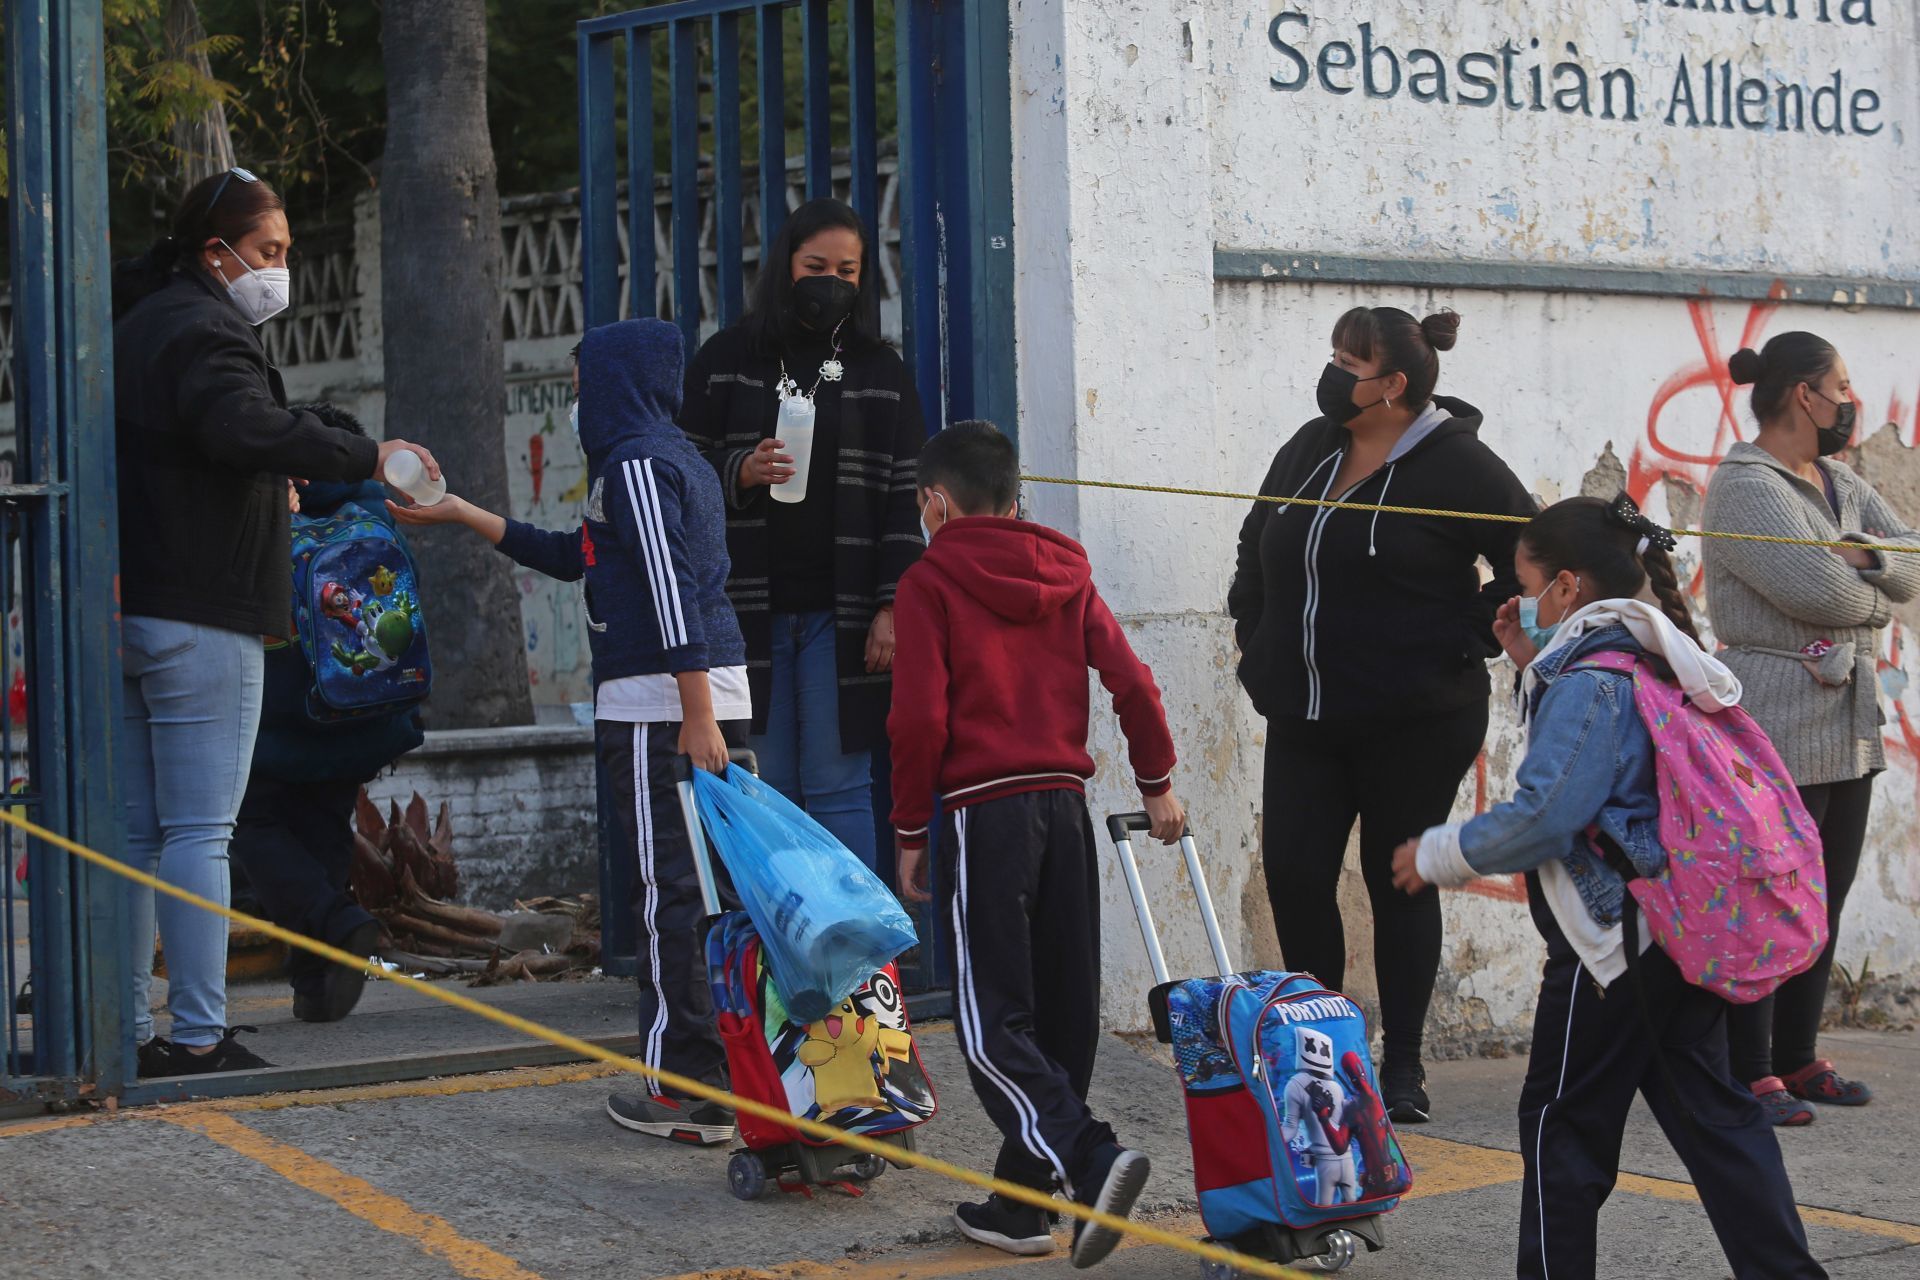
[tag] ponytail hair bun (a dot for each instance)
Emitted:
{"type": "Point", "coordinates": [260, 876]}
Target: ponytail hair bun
{"type": "Point", "coordinates": [1441, 329]}
{"type": "Point", "coordinates": [1746, 366]}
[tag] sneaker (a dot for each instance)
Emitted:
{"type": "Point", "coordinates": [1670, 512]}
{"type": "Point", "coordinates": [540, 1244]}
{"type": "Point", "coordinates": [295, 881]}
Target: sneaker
{"type": "Point", "coordinates": [1782, 1109]}
{"type": "Point", "coordinates": [1403, 1087]}
{"type": "Point", "coordinates": [1118, 1178]}
{"type": "Point", "coordinates": [698, 1124]}
{"type": "Point", "coordinates": [162, 1057]}
{"type": "Point", "coordinates": [155, 1056]}
{"type": "Point", "coordinates": [1819, 1082]}
{"type": "Point", "coordinates": [1006, 1225]}
{"type": "Point", "coordinates": [340, 988]}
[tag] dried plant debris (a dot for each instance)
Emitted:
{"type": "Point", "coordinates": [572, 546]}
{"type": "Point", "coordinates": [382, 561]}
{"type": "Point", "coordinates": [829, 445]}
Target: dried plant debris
{"type": "Point", "coordinates": [405, 874]}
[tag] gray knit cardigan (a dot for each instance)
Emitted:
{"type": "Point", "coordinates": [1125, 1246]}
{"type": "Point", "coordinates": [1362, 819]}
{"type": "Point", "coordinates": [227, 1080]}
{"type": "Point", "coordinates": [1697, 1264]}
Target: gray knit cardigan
{"type": "Point", "coordinates": [1769, 601]}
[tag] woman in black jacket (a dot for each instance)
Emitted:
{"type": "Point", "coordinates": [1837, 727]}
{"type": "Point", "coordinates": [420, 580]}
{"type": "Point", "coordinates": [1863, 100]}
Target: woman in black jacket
{"type": "Point", "coordinates": [813, 579]}
{"type": "Point", "coordinates": [1363, 641]}
{"type": "Point", "coordinates": [206, 447]}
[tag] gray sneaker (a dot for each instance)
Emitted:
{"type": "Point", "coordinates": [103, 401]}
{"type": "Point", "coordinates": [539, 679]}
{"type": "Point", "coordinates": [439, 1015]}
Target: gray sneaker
{"type": "Point", "coordinates": [698, 1124]}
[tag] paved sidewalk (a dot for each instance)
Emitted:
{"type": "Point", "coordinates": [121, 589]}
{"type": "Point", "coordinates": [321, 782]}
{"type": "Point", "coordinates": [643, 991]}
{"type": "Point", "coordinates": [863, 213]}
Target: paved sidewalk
{"type": "Point", "coordinates": [520, 1176]}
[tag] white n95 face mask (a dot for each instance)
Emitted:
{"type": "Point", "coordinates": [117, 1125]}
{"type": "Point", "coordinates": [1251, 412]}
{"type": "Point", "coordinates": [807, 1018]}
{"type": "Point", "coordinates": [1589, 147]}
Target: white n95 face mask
{"type": "Point", "coordinates": [262, 293]}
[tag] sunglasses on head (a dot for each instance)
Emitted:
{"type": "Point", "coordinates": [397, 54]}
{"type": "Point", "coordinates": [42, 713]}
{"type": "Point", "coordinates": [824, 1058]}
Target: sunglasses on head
{"type": "Point", "coordinates": [236, 172]}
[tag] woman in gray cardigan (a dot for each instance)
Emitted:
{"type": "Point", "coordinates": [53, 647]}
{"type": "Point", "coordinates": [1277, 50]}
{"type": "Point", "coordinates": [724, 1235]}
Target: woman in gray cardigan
{"type": "Point", "coordinates": [1801, 626]}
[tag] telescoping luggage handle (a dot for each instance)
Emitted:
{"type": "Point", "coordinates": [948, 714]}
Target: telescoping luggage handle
{"type": "Point", "coordinates": [696, 834]}
{"type": "Point", "coordinates": [1122, 826]}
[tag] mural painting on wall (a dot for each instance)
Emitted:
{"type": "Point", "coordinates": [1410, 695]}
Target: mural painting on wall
{"type": "Point", "coordinates": [547, 486]}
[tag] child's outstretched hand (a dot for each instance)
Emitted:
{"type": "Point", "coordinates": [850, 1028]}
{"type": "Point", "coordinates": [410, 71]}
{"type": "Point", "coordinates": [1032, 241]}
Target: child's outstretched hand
{"type": "Point", "coordinates": [1167, 816]}
{"type": "Point", "coordinates": [1406, 869]}
{"type": "Point", "coordinates": [910, 873]}
{"type": "Point", "coordinates": [449, 510]}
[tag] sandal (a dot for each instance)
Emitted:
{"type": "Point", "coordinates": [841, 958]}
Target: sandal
{"type": "Point", "coordinates": [1819, 1082]}
{"type": "Point", "coordinates": [1782, 1109]}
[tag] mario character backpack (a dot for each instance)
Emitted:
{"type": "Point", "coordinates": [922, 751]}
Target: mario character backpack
{"type": "Point", "coordinates": [356, 616]}
{"type": "Point", "coordinates": [1741, 905]}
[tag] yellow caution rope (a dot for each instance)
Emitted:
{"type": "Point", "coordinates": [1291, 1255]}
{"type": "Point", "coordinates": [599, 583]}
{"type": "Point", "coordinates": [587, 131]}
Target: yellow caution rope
{"type": "Point", "coordinates": [1241, 1263]}
{"type": "Point", "coordinates": [1435, 511]}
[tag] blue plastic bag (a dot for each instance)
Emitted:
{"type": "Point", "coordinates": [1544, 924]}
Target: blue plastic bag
{"type": "Point", "coordinates": [826, 922]}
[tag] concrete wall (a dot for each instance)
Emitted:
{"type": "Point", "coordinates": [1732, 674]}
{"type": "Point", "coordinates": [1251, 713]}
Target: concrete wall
{"type": "Point", "coordinates": [1151, 133]}
{"type": "Point", "coordinates": [523, 808]}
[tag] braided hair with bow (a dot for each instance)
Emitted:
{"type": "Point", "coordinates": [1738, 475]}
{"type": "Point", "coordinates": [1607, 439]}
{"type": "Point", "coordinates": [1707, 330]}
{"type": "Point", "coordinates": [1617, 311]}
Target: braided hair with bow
{"type": "Point", "coordinates": [1613, 545]}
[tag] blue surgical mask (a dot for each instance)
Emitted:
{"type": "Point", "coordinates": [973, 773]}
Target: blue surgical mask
{"type": "Point", "coordinates": [573, 418]}
{"type": "Point", "coordinates": [1541, 636]}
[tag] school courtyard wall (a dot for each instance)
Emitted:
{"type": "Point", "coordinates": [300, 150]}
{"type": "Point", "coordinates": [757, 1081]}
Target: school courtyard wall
{"type": "Point", "coordinates": [1202, 188]}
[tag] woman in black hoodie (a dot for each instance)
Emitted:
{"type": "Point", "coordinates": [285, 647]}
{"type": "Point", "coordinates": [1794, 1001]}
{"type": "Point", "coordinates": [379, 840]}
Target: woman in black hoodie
{"type": "Point", "coordinates": [205, 446]}
{"type": "Point", "coordinates": [1364, 638]}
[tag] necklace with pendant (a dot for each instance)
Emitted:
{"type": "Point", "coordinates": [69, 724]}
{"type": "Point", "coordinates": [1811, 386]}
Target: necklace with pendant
{"type": "Point", "coordinates": [831, 370]}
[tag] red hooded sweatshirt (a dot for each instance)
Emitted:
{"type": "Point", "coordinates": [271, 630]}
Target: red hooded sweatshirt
{"type": "Point", "coordinates": [996, 627]}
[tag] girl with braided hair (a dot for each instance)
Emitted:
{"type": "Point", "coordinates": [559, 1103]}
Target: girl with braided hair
{"type": "Point", "coordinates": [1598, 579]}
{"type": "Point", "coordinates": [1801, 626]}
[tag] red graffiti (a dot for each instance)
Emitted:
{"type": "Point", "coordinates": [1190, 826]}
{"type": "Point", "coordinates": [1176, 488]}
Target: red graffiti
{"type": "Point", "coordinates": [537, 461]}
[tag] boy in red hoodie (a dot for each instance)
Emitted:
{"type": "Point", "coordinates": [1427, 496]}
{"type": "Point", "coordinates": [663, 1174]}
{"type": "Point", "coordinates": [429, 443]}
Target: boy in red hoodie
{"type": "Point", "coordinates": [997, 625]}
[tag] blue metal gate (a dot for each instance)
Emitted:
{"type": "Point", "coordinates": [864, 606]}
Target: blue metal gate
{"type": "Point", "coordinates": [724, 62]}
{"type": "Point", "coordinates": [63, 927]}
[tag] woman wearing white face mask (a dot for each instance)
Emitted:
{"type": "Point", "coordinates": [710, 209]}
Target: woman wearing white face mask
{"type": "Point", "coordinates": [205, 444]}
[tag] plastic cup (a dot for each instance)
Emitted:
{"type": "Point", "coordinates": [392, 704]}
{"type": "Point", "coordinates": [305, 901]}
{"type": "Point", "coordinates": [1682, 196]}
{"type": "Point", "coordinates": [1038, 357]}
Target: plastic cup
{"type": "Point", "coordinates": [408, 474]}
{"type": "Point", "coordinates": [795, 431]}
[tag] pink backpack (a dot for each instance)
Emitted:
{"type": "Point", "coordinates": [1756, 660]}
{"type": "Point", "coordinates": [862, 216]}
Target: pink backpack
{"type": "Point", "coordinates": [1742, 903]}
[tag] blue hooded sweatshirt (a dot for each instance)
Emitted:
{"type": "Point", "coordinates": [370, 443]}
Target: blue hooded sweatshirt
{"type": "Point", "coordinates": [653, 547]}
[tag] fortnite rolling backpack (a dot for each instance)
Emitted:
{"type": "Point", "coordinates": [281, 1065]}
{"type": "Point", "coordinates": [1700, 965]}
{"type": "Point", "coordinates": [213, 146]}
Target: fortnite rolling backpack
{"type": "Point", "coordinates": [1294, 1155]}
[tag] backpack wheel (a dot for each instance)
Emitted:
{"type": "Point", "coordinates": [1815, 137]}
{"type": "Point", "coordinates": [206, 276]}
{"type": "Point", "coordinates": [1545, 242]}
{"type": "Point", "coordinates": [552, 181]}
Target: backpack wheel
{"type": "Point", "coordinates": [746, 1176]}
{"type": "Point", "coordinates": [1218, 1271]}
{"type": "Point", "coordinates": [868, 1167]}
{"type": "Point", "coordinates": [1340, 1250]}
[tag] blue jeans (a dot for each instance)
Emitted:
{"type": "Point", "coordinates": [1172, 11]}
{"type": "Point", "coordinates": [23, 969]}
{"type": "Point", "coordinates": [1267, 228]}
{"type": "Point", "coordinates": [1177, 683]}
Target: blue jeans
{"type": "Point", "coordinates": [800, 752]}
{"type": "Point", "coordinates": [192, 709]}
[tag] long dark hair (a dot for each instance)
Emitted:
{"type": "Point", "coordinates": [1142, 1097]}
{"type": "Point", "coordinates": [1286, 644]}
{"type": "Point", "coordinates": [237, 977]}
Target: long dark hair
{"type": "Point", "coordinates": [240, 206]}
{"type": "Point", "coordinates": [1404, 345]}
{"type": "Point", "coordinates": [770, 323]}
{"type": "Point", "coordinates": [1787, 360]}
{"type": "Point", "coordinates": [1598, 540]}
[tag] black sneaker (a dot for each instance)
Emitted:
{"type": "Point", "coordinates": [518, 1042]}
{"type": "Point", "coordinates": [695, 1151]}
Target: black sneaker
{"type": "Point", "coordinates": [1403, 1087]}
{"type": "Point", "coordinates": [1115, 1183]}
{"type": "Point", "coordinates": [340, 988]}
{"type": "Point", "coordinates": [698, 1124]}
{"type": "Point", "coordinates": [1006, 1225]}
{"type": "Point", "coordinates": [162, 1057]}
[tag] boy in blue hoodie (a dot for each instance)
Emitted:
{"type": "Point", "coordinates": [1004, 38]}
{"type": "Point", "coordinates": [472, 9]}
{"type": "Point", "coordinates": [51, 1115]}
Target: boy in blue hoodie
{"type": "Point", "coordinates": [669, 670]}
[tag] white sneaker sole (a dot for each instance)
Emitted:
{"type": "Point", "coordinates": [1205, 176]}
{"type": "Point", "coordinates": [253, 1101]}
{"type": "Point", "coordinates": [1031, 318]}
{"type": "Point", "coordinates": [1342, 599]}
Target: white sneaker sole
{"type": "Point", "coordinates": [1019, 1246]}
{"type": "Point", "coordinates": [1125, 1181]}
{"type": "Point", "coordinates": [693, 1135]}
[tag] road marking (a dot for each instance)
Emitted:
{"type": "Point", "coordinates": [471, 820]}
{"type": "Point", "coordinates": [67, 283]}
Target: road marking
{"type": "Point", "coordinates": [957, 1260]}
{"type": "Point", "coordinates": [1442, 1167]}
{"type": "Point", "coordinates": [1886, 1228]}
{"type": "Point", "coordinates": [446, 1087]}
{"type": "Point", "coordinates": [357, 1196]}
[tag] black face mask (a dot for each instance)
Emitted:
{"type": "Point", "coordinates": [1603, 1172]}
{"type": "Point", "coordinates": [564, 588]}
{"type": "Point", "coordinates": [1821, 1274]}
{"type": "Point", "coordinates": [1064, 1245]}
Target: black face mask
{"type": "Point", "coordinates": [1833, 439]}
{"type": "Point", "coordinates": [1335, 394]}
{"type": "Point", "coordinates": [822, 302]}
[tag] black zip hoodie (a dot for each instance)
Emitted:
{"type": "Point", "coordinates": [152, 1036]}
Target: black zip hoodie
{"type": "Point", "coordinates": [1349, 614]}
